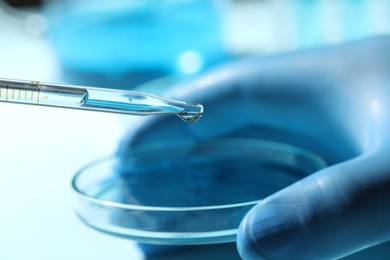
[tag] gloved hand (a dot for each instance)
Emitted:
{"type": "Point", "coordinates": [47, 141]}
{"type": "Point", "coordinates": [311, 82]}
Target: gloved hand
{"type": "Point", "coordinates": [332, 101]}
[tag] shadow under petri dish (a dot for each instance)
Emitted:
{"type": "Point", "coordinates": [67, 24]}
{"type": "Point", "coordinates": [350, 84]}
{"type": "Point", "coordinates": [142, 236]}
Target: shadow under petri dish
{"type": "Point", "coordinates": [186, 192]}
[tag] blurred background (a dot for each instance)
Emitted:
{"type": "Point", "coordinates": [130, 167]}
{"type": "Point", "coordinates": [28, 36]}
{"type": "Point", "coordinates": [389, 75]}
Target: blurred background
{"type": "Point", "coordinates": [140, 44]}
{"type": "Point", "coordinates": [123, 44]}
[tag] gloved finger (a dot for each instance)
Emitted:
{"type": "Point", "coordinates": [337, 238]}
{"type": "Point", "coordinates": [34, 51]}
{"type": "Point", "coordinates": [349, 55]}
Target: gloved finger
{"type": "Point", "coordinates": [330, 214]}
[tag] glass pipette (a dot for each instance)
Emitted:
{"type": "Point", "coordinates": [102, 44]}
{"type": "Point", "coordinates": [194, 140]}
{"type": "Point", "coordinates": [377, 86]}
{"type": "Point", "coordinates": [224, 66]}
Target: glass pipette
{"type": "Point", "coordinates": [96, 99]}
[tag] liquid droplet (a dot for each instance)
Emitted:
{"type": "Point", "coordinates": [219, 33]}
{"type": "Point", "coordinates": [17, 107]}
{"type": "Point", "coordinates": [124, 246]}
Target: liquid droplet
{"type": "Point", "coordinates": [190, 117]}
{"type": "Point", "coordinates": [192, 113]}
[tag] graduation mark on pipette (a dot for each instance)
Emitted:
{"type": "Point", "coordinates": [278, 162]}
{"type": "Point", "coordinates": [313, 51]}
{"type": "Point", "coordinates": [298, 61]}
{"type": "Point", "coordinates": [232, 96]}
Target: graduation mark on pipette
{"type": "Point", "coordinates": [95, 99]}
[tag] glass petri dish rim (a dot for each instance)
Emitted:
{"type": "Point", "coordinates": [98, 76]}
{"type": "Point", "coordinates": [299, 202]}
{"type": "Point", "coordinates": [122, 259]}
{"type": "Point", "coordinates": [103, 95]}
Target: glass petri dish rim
{"type": "Point", "coordinates": [244, 142]}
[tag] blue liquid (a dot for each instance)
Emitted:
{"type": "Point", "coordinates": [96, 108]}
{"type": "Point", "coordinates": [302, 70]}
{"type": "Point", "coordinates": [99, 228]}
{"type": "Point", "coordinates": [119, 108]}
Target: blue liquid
{"type": "Point", "coordinates": [146, 39]}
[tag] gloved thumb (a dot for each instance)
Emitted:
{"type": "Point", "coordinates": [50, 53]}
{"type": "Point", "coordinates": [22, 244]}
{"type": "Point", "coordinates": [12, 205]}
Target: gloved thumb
{"type": "Point", "coordinates": [332, 213]}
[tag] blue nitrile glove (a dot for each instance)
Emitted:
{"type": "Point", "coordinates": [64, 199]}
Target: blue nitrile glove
{"type": "Point", "coordinates": [332, 101]}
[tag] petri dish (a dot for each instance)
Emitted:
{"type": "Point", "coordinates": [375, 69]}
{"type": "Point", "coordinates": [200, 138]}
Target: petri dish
{"type": "Point", "coordinates": [185, 192]}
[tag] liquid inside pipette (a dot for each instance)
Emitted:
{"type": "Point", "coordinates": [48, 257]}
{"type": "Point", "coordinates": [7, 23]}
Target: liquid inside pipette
{"type": "Point", "coordinates": [96, 99]}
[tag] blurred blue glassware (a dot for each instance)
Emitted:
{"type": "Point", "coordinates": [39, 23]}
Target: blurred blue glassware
{"type": "Point", "coordinates": [135, 41]}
